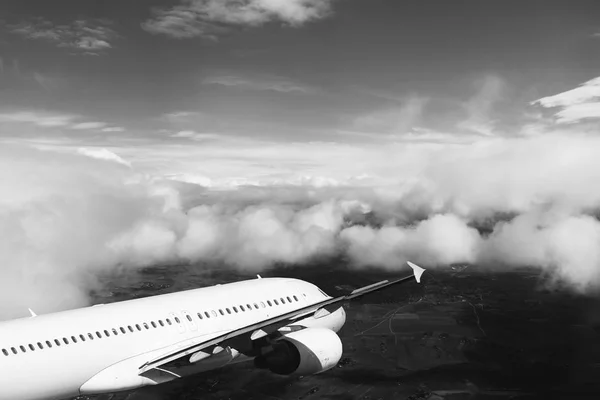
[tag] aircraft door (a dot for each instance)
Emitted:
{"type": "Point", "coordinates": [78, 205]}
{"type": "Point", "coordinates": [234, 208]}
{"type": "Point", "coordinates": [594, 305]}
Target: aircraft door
{"type": "Point", "coordinates": [189, 320]}
{"type": "Point", "coordinates": [180, 326]}
{"type": "Point", "coordinates": [300, 293]}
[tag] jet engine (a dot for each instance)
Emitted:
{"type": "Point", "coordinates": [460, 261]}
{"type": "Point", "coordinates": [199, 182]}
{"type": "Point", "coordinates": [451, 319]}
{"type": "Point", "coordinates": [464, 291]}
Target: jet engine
{"type": "Point", "coordinates": [304, 352]}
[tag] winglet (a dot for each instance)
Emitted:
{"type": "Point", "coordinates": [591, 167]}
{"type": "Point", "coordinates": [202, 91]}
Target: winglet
{"type": "Point", "coordinates": [417, 271]}
{"type": "Point", "coordinates": [32, 313]}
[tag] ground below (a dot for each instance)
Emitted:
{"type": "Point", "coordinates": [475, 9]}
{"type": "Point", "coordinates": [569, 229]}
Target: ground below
{"type": "Point", "coordinates": [461, 334]}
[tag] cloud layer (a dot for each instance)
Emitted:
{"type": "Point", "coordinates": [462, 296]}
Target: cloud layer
{"type": "Point", "coordinates": [498, 203]}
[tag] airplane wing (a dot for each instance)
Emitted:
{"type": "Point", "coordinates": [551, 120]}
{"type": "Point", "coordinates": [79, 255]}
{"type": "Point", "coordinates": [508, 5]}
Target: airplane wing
{"type": "Point", "coordinates": [241, 338]}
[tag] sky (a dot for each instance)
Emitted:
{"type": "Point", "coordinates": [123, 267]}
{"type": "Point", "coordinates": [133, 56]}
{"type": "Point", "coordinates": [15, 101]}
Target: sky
{"type": "Point", "coordinates": [256, 132]}
{"type": "Point", "coordinates": [207, 73]}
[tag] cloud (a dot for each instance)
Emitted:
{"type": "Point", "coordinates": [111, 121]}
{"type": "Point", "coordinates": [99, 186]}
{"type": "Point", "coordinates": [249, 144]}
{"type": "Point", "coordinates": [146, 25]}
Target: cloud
{"type": "Point", "coordinates": [210, 18]}
{"type": "Point", "coordinates": [480, 106]}
{"type": "Point", "coordinates": [42, 119]}
{"type": "Point", "coordinates": [396, 120]}
{"type": "Point", "coordinates": [576, 104]}
{"type": "Point", "coordinates": [47, 119]}
{"type": "Point", "coordinates": [188, 134]}
{"type": "Point", "coordinates": [113, 129]}
{"type": "Point", "coordinates": [103, 154]}
{"type": "Point", "coordinates": [179, 115]}
{"type": "Point", "coordinates": [88, 125]}
{"type": "Point", "coordinates": [88, 37]}
{"type": "Point", "coordinates": [274, 83]}
{"type": "Point", "coordinates": [70, 216]}
{"type": "Point", "coordinates": [440, 240]}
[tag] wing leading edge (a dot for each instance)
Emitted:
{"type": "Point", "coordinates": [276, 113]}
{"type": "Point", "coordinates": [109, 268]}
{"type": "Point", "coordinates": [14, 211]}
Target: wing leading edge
{"type": "Point", "coordinates": [241, 338]}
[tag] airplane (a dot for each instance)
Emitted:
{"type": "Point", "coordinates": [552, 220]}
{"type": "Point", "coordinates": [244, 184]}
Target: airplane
{"type": "Point", "coordinates": [287, 326]}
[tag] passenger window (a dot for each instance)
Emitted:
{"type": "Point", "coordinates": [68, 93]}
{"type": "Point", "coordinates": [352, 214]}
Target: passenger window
{"type": "Point", "coordinates": [249, 307]}
{"type": "Point", "coordinates": [214, 313]}
{"type": "Point", "coordinates": [169, 321]}
{"type": "Point", "coordinates": [115, 331]}
{"type": "Point", "coordinates": [200, 315]}
{"type": "Point", "coordinates": [146, 325]}
{"type": "Point", "coordinates": [228, 311]}
{"type": "Point", "coordinates": [91, 336]}
{"type": "Point", "coordinates": [207, 314]}
{"type": "Point", "coordinates": [57, 342]}
{"type": "Point", "coordinates": [256, 306]}
{"type": "Point", "coordinates": [189, 317]}
{"type": "Point", "coordinates": [177, 320]}
{"type": "Point", "coordinates": [66, 340]}
{"type": "Point", "coordinates": [40, 346]}
{"type": "Point", "coordinates": [242, 307]}
{"type": "Point", "coordinates": [262, 304]}
{"type": "Point", "coordinates": [295, 298]}
{"type": "Point", "coordinates": [106, 333]}
{"type": "Point", "coordinates": [139, 328]}
{"type": "Point", "coordinates": [122, 330]}
{"type": "Point", "coordinates": [153, 324]}
{"type": "Point", "coordinates": [82, 338]}
{"type": "Point", "coordinates": [221, 311]}
{"type": "Point", "coordinates": [31, 347]}
{"type": "Point", "coordinates": [22, 349]}
{"type": "Point", "coordinates": [48, 343]}
{"type": "Point", "coordinates": [99, 335]}
{"type": "Point", "coordinates": [73, 338]}
{"type": "Point", "coordinates": [288, 299]}
{"type": "Point", "coordinates": [276, 303]}
{"type": "Point", "coordinates": [282, 300]}
{"type": "Point", "coordinates": [14, 350]}
{"type": "Point", "coordinates": [269, 303]}
{"type": "Point", "coordinates": [160, 322]}
{"type": "Point", "coordinates": [5, 352]}
{"type": "Point", "coordinates": [235, 309]}
{"type": "Point", "coordinates": [130, 328]}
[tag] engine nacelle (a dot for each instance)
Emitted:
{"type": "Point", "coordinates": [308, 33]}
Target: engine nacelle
{"type": "Point", "coordinates": [305, 352]}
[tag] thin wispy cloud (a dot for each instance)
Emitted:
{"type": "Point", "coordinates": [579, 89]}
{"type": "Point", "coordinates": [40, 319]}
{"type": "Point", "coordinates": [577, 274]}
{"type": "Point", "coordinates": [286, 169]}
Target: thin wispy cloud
{"type": "Point", "coordinates": [189, 134]}
{"type": "Point", "coordinates": [179, 115]}
{"type": "Point", "coordinates": [88, 125]}
{"type": "Point", "coordinates": [211, 18]}
{"type": "Point", "coordinates": [113, 129]}
{"type": "Point", "coordinates": [88, 37]}
{"type": "Point", "coordinates": [480, 106]}
{"type": "Point", "coordinates": [394, 120]}
{"type": "Point", "coordinates": [273, 83]}
{"type": "Point", "coordinates": [46, 119]}
{"type": "Point", "coordinates": [575, 105]}
{"type": "Point", "coordinates": [42, 119]}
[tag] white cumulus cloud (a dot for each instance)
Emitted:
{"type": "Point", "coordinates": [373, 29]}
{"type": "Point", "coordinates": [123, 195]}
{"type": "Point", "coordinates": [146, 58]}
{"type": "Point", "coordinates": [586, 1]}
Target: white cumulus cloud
{"type": "Point", "coordinates": [210, 18]}
{"type": "Point", "coordinates": [576, 104]}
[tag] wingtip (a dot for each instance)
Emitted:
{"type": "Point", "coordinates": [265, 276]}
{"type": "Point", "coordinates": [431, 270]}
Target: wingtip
{"type": "Point", "coordinates": [417, 271]}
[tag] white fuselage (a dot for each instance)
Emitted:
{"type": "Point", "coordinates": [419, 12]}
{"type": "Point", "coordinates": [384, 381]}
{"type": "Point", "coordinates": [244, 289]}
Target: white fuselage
{"type": "Point", "coordinates": [101, 348]}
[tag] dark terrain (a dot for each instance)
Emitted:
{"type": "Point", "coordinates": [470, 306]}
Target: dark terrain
{"type": "Point", "coordinates": [461, 334]}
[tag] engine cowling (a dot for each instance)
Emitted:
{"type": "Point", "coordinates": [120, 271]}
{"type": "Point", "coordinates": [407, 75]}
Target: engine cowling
{"type": "Point", "coordinates": [305, 352]}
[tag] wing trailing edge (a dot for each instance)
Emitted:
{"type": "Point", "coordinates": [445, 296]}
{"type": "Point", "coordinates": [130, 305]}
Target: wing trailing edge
{"type": "Point", "coordinates": [264, 328]}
